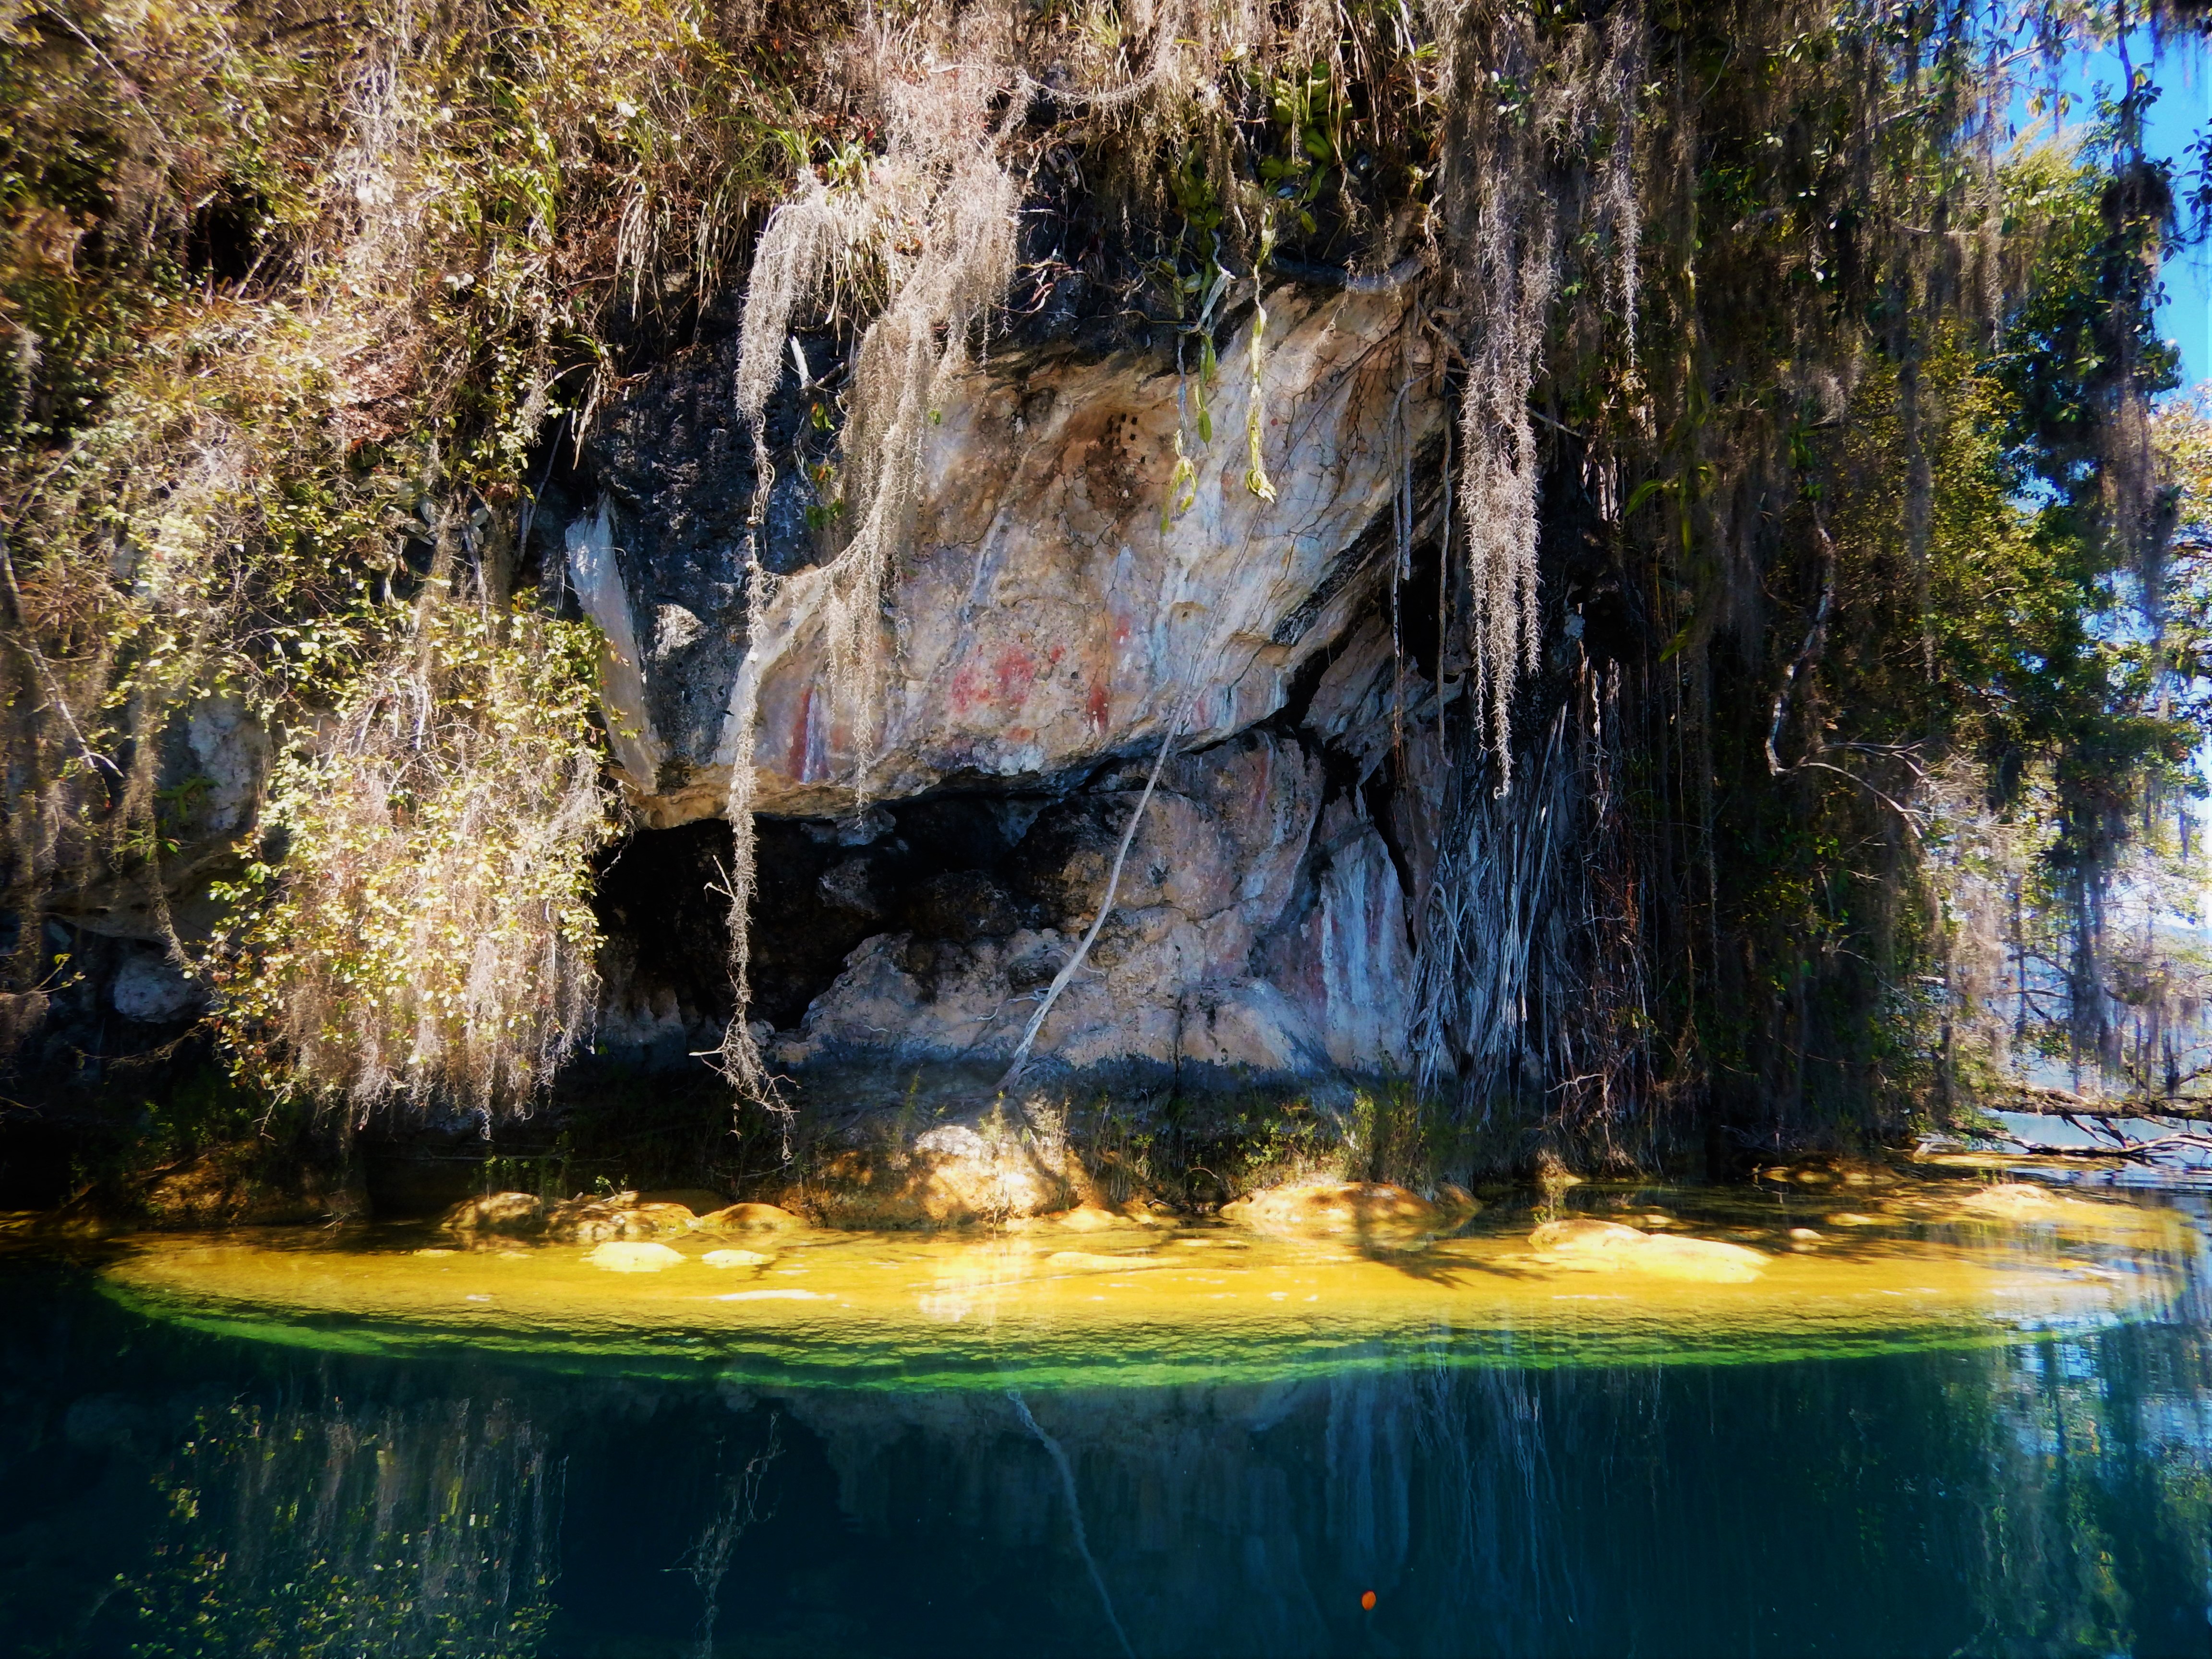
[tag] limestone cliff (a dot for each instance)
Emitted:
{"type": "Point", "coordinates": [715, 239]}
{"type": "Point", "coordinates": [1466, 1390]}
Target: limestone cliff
{"type": "Point", "coordinates": [1059, 615]}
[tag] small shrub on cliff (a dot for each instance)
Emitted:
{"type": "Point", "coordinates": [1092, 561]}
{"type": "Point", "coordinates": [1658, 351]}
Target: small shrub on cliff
{"type": "Point", "coordinates": [428, 933]}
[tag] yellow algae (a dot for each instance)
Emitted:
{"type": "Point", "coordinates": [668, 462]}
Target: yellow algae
{"type": "Point", "coordinates": [780, 1295]}
{"type": "Point", "coordinates": [1577, 1244]}
{"type": "Point", "coordinates": [915, 1310]}
{"type": "Point", "coordinates": [1583, 1235]}
{"type": "Point", "coordinates": [1088, 1218]}
{"type": "Point", "coordinates": [1086, 1261]}
{"type": "Point", "coordinates": [2020, 1201]}
{"type": "Point", "coordinates": [1703, 1260]}
{"type": "Point", "coordinates": [1829, 1170]}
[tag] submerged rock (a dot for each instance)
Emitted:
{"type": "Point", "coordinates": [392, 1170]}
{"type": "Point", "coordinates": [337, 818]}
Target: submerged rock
{"type": "Point", "coordinates": [1708, 1260]}
{"type": "Point", "coordinates": [1092, 1217]}
{"type": "Point", "coordinates": [634, 1256]}
{"type": "Point", "coordinates": [1089, 1261]}
{"type": "Point", "coordinates": [1581, 1244]}
{"type": "Point", "coordinates": [1585, 1236]}
{"type": "Point", "coordinates": [2020, 1200]}
{"type": "Point", "coordinates": [749, 1217]}
{"type": "Point", "coordinates": [1336, 1206]}
{"type": "Point", "coordinates": [736, 1259]}
{"type": "Point", "coordinates": [1829, 1170]}
{"type": "Point", "coordinates": [2012, 1199]}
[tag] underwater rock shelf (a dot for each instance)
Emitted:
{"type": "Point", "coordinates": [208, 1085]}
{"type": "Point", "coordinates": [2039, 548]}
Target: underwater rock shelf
{"type": "Point", "coordinates": [1136, 1305]}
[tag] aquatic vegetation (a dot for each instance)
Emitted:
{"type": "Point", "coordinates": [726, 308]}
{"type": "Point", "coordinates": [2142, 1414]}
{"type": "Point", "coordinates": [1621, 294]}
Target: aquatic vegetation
{"type": "Point", "coordinates": [1141, 1304]}
{"type": "Point", "coordinates": [306, 1581]}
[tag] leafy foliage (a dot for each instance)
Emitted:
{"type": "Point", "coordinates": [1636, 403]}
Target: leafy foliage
{"type": "Point", "coordinates": [428, 933]}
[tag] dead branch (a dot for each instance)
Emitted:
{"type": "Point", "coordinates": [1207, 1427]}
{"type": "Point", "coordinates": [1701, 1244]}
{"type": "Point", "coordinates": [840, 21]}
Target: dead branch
{"type": "Point", "coordinates": [2135, 1152]}
{"type": "Point", "coordinates": [2040, 1101]}
{"type": "Point", "coordinates": [1105, 908]}
{"type": "Point", "coordinates": [1809, 655]}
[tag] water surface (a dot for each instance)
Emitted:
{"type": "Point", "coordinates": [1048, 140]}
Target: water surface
{"type": "Point", "coordinates": [1925, 1432]}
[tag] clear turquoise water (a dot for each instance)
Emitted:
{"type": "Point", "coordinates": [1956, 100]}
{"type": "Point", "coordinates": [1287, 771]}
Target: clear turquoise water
{"type": "Point", "coordinates": [176, 1490]}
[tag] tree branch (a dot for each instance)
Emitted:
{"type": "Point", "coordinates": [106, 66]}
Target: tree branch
{"type": "Point", "coordinates": [1105, 908]}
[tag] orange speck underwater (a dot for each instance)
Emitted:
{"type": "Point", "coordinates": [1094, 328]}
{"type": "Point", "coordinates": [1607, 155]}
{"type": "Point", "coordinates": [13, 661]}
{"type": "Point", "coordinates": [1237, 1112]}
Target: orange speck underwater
{"type": "Point", "coordinates": [1367, 1600]}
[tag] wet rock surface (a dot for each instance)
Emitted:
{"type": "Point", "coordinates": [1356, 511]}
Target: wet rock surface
{"type": "Point", "coordinates": [995, 1168]}
{"type": "Point", "coordinates": [749, 1218]}
{"type": "Point", "coordinates": [630, 1256]}
{"type": "Point", "coordinates": [498, 1213]}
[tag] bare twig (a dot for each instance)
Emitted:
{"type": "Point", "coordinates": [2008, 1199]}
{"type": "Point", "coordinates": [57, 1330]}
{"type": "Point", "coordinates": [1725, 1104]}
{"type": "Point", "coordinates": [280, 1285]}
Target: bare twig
{"type": "Point", "coordinates": [1816, 638]}
{"type": "Point", "coordinates": [2135, 1152]}
{"type": "Point", "coordinates": [1105, 908]}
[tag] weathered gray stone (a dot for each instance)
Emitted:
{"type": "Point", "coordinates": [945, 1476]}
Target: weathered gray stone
{"type": "Point", "coordinates": [1051, 622]}
{"type": "Point", "coordinates": [149, 986]}
{"type": "Point", "coordinates": [1169, 981]}
{"type": "Point", "coordinates": [1045, 618]}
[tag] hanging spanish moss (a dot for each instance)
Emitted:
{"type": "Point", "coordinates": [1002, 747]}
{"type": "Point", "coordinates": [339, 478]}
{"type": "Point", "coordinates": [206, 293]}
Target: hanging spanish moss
{"type": "Point", "coordinates": [1539, 158]}
{"type": "Point", "coordinates": [426, 937]}
{"type": "Point", "coordinates": [929, 223]}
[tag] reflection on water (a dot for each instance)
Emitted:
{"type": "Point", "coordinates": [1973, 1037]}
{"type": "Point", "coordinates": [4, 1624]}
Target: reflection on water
{"type": "Point", "coordinates": [179, 1491]}
{"type": "Point", "coordinates": [324, 1530]}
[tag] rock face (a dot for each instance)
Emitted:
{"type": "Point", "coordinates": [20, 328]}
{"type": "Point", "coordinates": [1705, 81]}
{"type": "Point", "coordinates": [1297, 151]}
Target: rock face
{"type": "Point", "coordinates": [1065, 606]}
{"type": "Point", "coordinates": [1053, 611]}
{"type": "Point", "coordinates": [950, 1174]}
{"type": "Point", "coordinates": [497, 1213]}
